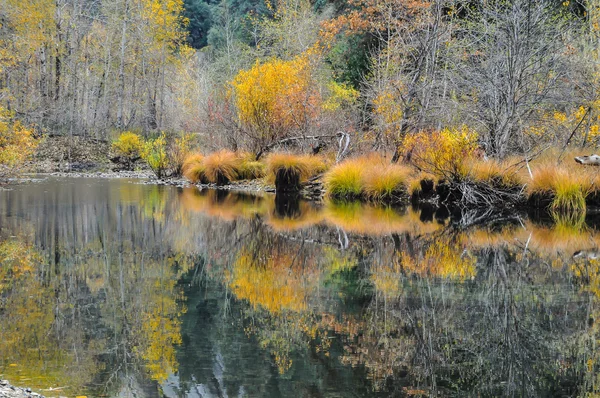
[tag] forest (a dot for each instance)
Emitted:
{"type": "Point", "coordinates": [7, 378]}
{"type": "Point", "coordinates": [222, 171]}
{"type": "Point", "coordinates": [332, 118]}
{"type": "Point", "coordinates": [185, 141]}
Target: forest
{"type": "Point", "coordinates": [459, 95]}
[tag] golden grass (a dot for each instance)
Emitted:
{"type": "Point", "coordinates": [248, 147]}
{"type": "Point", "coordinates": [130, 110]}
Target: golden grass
{"type": "Point", "coordinates": [385, 183]}
{"type": "Point", "coordinates": [193, 168]}
{"type": "Point", "coordinates": [365, 219]}
{"type": "Point", "coordinates": [370, 177]}
{"type": "Point", "coordinates": [569, 186]}
{"type": "Point", "coordinates": [346, 178]}
{"type": "Point", "coordinates": [305, 166]}
{"type": "Point", "coordinates": [229, 208]}
{"type": "Point", "coordinates": [494, 172]}
{"type": "Point", "coordinates": [222, 166]}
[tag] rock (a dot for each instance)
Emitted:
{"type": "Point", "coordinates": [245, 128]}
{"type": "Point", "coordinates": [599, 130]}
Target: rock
{"type": "Point", "coordinates": [589, 160]}
{"type": "Point", "coordinates": [9, 391]}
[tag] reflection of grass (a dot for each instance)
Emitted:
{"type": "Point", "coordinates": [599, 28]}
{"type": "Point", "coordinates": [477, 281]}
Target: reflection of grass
{"type": "Point", "coordinates": [360, 218]}
{"type": "Point", "coordinates": [443, 258]}
{"type": "Point", "coordinates": [309, 215]}
{"type": "Point", "coordinates": [228, 207]}
{"type": "Point", "coordinates": [567, 234]}
{"type": "Point", "coordinates": [353, 217]}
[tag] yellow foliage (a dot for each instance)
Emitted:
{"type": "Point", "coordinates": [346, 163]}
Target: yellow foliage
{"type": "Point", "coordinates": [442, 153]}
{"type": "Point", "coordinates": [128, 144]}
{"type": "Point", "coordinates": [276, 96]}
{"type": "Point", "coordinates": [340, 95]}
{"type": "Point", "coordinates": [17, 142]}
{"type": "Point", "coordinates": [154, 152]}
{"type": "Point", "coordinates": [273, 285]}
{"type": "Point", "coordinates": [389, 108]}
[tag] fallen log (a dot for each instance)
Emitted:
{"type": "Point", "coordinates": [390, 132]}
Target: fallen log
{"type": "Point", "coordinates": [589, 160]}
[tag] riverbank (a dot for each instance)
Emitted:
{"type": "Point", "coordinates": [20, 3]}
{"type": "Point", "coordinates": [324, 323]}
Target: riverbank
{"type": "Point", "coordinates": [9, 391]}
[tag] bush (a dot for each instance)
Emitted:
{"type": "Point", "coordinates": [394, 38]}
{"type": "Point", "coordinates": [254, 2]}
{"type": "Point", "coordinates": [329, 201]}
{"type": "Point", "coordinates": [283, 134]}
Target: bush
{"type": "Point", "coordinates": [442, 153]}
{"type": "Point", "coordinates": [128, 145]}
{"type": "Point", "coordinates": [154, 152]}
{"type": "Point", "coordinates": [179, 150]}
{"type": "Point", "coordinates": [17, 143]}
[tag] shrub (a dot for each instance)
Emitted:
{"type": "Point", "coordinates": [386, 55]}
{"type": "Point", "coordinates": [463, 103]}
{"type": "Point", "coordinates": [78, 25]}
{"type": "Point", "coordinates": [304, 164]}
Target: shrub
{"type": "Point", "coordinates": [17, 143]}
{"type": "Point", "coordinates": [179, 150]}
{"type": "Point", "coordinates": [128, 145]}
{"type": "Point", "coordinates": [274, 97]}
{"type": "Point", "coordinates": [442, 153]}
{"type": "Point", "coordinates": [154, 152]}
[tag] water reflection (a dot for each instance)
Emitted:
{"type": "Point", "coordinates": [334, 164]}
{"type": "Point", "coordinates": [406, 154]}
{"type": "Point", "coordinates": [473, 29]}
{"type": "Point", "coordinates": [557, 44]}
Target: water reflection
{"type": "Point", "coordinates": [116, 288]}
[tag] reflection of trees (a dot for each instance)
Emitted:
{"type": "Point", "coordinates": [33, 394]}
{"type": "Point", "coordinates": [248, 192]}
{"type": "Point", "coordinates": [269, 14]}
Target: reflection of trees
{"type": "Point", "coordinates": [274, 303]}
{"type": "Point", "coordinates": [105, 292]}
{"type": "Point", "coordinates": [34, 344]}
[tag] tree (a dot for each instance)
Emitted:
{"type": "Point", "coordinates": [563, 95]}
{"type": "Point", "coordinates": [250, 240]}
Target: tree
{"type": "Point", "coordinates": [274, 98]}
{"type": "Point", "coordinates": [513, 65]}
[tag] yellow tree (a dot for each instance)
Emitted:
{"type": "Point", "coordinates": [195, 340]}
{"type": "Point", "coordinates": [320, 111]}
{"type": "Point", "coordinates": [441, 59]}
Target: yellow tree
{"type": "Point", "coordinates": [275, 98]}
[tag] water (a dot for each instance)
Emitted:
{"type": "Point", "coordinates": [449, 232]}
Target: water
{"type": "Point", "coordinates": [116, 288]}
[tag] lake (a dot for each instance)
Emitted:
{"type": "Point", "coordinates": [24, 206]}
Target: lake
{"type": "Point", "coordinates": [114, 287]}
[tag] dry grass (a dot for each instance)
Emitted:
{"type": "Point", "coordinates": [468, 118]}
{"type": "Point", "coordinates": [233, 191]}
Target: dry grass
{"type": "Point", "coordinates": [222, 166]}
{"type": "Point", "coordinates": [370, 177]}
{"type": "Point", "coordinates": [305, 166]}
{"type": "Point", "coordinates": [494, 172]}
{"type": "Point", "coordinates": [385, 183]}
{"type": "Point", "coordinates": [346, 179]}
{"type": "Point", "coordinates": [569, 186]}
{"type": "Point", "coordinates": [193, 168]}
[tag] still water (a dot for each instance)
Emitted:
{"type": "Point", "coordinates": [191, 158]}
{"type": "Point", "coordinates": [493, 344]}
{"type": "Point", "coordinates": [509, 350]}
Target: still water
{"type": "Point", "coordinates": [115, 288]}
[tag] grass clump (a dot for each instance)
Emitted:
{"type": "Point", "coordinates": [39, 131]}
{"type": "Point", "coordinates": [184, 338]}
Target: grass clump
{"type": "Point", "coordinates": [222, 167]}
{"type": "Point", "coordinates": [385, 183]}
{"type": "Point", "coordinates": [494, 172]}
{"type": "Point", "coordinates": [193, 168]}
{"type": "Point", "coordinates": [249, 168]}
{"type": "Point", "coordinates": [369, 177]}
{"type": "Point", "coordinates": [568, 188]}
{"type": "Point", "coordinates": [304, 166]}
{"type": "Point", "coordinates": [345, 179]}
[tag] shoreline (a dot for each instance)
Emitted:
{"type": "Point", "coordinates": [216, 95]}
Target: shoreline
{"type": "Point", "coordinates": [8, 390]}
